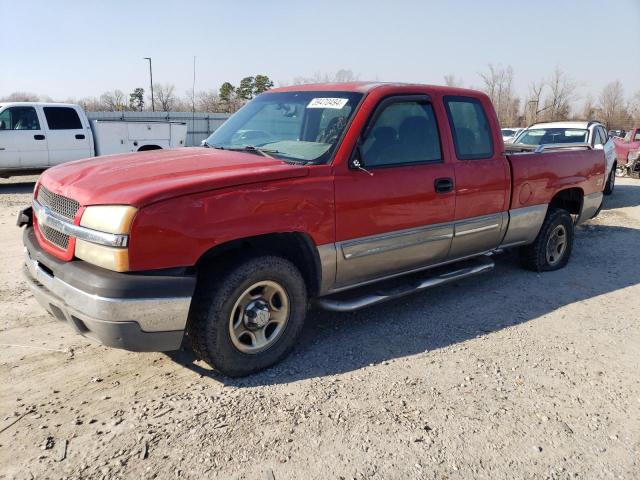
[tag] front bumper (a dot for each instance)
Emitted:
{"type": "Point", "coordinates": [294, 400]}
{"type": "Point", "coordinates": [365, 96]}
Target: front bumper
{"type": "Point", "coordinates": [139, 312]}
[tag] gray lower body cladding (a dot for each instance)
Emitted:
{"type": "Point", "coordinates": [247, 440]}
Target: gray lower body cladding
{"type": "Point", "coordinates": [139, 312]}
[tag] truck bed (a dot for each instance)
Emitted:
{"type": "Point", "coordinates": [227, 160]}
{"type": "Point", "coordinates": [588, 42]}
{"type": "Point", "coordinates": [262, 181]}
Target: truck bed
{"type": "Point", "coordinates": [537, 176]}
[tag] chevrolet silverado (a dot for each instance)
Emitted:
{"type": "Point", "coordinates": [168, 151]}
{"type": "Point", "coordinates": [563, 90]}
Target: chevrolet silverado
{"type": "Point", "coordinates": [307, 195]}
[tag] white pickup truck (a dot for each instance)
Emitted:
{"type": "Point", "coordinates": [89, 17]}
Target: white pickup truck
{"type": "Point", "coordinates": [35, 136]}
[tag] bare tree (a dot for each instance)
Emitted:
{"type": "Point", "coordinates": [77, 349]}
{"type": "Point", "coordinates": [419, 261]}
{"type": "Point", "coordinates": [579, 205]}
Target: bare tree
{"type": "Point", "coordinates": [21, 97]}
{"type": "Point", "coordinates": [613, 106]}
{"type": "Point", "coordinates": [589, 108]}
{"type": "Point", "coordinates": [533, 106]}
{"type": "Point", "coordinates": [634, 108]}
{"type": "Point", "coordinates": [450, 80]}
{"type": "Point", "coordinates": [207, 101]}
{"type": "Point", "coordinates": [498, 84]}
{"type": "Point", "coordinates": [164, 96]}
{"type": "Point", "coordinates": [342, 75]}
{"type": "Point", "coordinates": [560, 97]}
{"type": "Point", "coordinates": [113, 101]}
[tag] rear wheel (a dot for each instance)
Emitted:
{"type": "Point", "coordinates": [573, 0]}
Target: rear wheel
{"type": "Point", "coordinates": [249, 316]}
{"type": "Point", "coordinates": [611, 182]}
{"type": "Point", "coordinates": [552, 247]}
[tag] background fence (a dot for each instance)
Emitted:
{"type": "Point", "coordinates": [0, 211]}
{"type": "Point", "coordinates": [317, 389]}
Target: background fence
{"type": "Point", "coordinates": [199, 125]}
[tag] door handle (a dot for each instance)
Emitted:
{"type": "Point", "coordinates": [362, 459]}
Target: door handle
{"type": "Point", "coordinates": [38, 137]}
{"type": "Point", "coordinates": [80, 136]}
{"type": "Point", "coordinates": [443, 185]}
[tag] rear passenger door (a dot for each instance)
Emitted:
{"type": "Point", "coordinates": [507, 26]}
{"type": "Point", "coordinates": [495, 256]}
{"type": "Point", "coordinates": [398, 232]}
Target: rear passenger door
{"type": "Point", "coordinates": [68, 138]}
{"type": "Point", "coordinates": [483, 186]}
{"type": "Point", "coordinates": [398, 216]}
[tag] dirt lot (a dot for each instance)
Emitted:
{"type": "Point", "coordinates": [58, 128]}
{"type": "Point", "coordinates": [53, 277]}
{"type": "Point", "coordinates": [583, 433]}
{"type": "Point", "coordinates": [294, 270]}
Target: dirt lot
{"type": "Point", "coordinates": [508, 375]}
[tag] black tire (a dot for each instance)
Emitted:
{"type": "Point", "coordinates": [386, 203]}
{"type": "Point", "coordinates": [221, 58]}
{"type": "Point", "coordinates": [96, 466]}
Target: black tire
{"type": "Point", "coordinates": [535, 256]}
{"type": "Point", "coordinates": [611, 182]}
{"type": "Point", "coordinates": [215, 297]}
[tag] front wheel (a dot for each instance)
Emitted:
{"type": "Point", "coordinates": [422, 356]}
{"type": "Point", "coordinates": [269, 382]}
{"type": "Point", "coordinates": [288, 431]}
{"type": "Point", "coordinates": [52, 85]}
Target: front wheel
{"type": "Point", "coordinates": [552, 247]}
{"type": "Point", "coordinates": [611, 182]}
{"type": "Point", "coordinates": [249, 316]}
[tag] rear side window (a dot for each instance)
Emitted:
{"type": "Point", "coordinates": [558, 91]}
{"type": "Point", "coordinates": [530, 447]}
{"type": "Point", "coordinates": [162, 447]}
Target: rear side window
{"type": "Point", "coordinates": [62, 118]}
{"type": "Point", "coordinates": [470, 128]}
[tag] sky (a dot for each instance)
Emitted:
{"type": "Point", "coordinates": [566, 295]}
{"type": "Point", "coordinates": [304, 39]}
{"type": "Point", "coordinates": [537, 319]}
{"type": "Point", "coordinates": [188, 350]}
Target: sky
{"type": "Point", "coordinates": [74, 49]}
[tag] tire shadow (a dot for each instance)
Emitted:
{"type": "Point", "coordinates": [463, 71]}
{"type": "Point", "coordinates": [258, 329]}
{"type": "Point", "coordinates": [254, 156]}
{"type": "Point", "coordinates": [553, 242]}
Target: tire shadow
{"type": "Point", "coordinates": [334, 343]}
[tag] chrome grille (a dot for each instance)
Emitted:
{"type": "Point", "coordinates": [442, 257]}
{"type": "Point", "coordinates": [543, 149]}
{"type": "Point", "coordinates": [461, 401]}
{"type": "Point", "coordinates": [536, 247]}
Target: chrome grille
{"type": "Point", "coordinates": [59, 239]}
{"type": "Point", "coordinates": [63, 206]}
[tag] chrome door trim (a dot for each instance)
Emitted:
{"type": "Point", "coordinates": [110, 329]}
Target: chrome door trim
{"type": "Point", "coordinates": [394, 240]}
{"type": "Point", "coordinates": [478, 230]}
{"type": "Point", "coordinates": [477, 234]}
{"type": "Point", "coordinates": [361, 259]}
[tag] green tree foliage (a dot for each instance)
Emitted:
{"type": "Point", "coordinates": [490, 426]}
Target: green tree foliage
{"type": "Point", "coordinates": [226, 92]}
{"type": "Point", "coordinates": [136, 99]}
{"type": "Point", "coordinates": [261, 84]}
{"type": "Point", "coordinates": [245, 89]}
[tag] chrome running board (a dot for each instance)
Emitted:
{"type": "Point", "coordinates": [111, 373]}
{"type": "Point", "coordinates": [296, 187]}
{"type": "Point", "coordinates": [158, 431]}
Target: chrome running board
{"type": "Point", "coordinates": [351, 300]}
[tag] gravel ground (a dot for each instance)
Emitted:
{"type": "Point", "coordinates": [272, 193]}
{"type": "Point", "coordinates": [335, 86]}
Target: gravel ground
{"type": "Point", "coordinates": [508, 375]}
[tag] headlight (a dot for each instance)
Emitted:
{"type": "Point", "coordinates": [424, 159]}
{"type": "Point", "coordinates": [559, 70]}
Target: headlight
{"type": "Point", "coordinates": [109, 218]}
{"type": "Point", "coordinates": [114, 219]}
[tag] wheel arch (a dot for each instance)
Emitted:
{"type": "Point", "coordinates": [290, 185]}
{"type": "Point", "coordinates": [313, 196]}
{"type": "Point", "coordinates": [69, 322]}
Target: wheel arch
{"type": "Point", "coordinates": [569, 199]}
{"type": "Point", "coordinates": [146, 148]}
{"type": "Point", "coordinates": [297, 247]}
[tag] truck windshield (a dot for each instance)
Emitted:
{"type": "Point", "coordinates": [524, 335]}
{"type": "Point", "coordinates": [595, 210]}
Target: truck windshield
{"type": "Point", "coordinates": [302, 126]}
{"type": "Point", "coordinates": [546, 136]}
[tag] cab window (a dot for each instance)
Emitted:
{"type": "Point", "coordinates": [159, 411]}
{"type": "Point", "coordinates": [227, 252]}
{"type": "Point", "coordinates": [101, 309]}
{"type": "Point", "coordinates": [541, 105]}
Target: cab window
{"type": "Point", "coordinates": [19, 118]}
{"type": "Point", "coordinates": [62, 118]}
{"type": "Point", "coordinates": [404, 132]}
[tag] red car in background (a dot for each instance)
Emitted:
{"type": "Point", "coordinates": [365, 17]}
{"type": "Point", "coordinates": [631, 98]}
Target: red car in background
{"type": "Point", "coordinates": [624, 146]}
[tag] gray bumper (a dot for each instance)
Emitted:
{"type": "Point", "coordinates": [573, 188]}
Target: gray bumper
{"type": "Point", "coordinates": [137, 323]}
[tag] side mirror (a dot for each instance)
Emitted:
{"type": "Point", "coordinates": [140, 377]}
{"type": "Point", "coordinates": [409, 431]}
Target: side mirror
{"type": "Point", "coordinates": [356, 162]}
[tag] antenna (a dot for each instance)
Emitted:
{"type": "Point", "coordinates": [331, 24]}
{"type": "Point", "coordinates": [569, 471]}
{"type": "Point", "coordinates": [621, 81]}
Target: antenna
{"type": "Point", "coordinates": [193, 103]}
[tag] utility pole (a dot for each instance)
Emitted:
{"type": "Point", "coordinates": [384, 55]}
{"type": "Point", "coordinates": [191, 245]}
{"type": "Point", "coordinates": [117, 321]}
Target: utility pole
{"type": "Point", "coordinates": [153, 105]}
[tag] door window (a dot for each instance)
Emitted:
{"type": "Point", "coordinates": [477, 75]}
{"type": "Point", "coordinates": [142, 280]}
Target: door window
{"type": "Point", "coordinates": [470, 128]}
{"type": "Point", "coordinates": [405, 132]}
{"type": "Point", "coordinates": [19, 118]}
{"type": "Point", "coordinates": [62, 118]}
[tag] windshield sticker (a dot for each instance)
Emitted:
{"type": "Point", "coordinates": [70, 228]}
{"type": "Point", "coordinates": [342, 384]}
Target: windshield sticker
{"type": "Point", "coordinates": [336, 103]}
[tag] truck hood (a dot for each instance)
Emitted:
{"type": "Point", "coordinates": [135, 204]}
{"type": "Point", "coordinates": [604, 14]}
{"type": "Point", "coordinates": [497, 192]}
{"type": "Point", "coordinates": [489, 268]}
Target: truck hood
{"type": "Point", "coordinates": [142, 178]}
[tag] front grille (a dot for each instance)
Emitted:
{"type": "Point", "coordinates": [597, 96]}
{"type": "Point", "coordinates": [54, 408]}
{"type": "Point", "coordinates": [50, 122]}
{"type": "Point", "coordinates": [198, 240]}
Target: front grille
{"type": "Point", "coordinates": [59, 239]}
{"type": "Point", "coordinates": [63, 206]}
{"type": "Point", "coordinates": [57, 203]}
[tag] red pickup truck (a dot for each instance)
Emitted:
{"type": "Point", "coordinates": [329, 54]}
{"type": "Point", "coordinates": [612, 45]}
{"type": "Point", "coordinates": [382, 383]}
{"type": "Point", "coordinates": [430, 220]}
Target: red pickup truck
{"type": "Point", "coordinates": [306, 195]}
{"type": "Point", "coordinates": [630, 144]}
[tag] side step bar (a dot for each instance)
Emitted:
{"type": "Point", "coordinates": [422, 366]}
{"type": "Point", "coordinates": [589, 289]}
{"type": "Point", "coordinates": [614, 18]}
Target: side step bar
{"type": "Point", "coordinates": [350, 301]}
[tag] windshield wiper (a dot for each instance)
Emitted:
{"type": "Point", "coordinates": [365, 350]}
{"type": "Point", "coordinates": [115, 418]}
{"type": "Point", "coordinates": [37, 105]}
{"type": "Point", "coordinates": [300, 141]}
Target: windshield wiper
{"type": "Point", "coordinates": [210, 145]}
{"type": "Point", "coordinates": [250, 148]}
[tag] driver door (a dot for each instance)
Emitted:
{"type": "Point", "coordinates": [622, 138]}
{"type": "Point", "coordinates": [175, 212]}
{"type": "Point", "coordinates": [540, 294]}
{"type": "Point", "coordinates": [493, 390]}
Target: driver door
{"type": "Point", "coordinates": [398, 216]}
